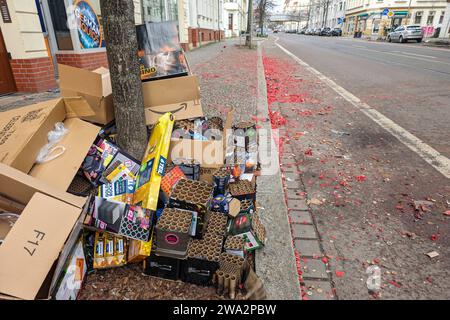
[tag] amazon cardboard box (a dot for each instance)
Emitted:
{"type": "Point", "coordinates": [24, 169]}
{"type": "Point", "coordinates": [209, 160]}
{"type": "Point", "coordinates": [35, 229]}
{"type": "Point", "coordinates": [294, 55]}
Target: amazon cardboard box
{"type": "Point", "coordinates": [180, 95]}
{"type": "Point", "coordinates": [94, 86]}
{"type": "Point", "coordinates": [23, 132]}
{"type": "Point", "coordinates": [31, 251]}
{"type": "Point", "coordinates": [209, 153]}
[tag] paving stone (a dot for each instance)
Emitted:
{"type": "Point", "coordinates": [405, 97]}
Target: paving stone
{"type": "Point", "coordinates": [307, 248]}
{"type": "Point", "coordinates": [319, 290]}
{"type": "Point", "coordinates": [304, 231]}
{"type": "Point", "coordinates": [288, 160]}
{"type": "Point", "coordinates": [294, 194]}
{"type": "Point", "coordinates": [289, 168]}
{"type": "Point", "coordinates": [292, 176]}
{"type": "Point", "coordinates": [294, 184]}
{"type": "Point", "coordinates": [297, 204]}
{"type": "Point", "coordinates": [298, 216]}
{"type": "Point", "coordinates": [314, 268]}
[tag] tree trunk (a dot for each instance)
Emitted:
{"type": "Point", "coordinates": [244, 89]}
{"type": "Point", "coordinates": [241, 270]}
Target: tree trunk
{"type": "Point", "coordinates": [262, 9]}
{"type": "Point", "coordinates": [121, 48]}
{"type": "Point", "coordinates": [248, 39]}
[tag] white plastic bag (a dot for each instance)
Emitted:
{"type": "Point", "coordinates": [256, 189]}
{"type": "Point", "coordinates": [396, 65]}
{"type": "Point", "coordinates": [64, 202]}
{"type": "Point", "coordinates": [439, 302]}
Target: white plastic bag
{"type": "Point", "coordinates": [49, 151]}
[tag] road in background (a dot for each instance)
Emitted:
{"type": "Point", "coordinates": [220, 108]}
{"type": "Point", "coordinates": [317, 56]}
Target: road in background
{"type": "Point", "coordinates": [408, 83]}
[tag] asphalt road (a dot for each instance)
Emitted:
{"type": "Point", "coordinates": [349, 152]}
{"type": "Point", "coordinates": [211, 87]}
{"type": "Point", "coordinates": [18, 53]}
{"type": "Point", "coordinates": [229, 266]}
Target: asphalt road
{"type": "Point", "coordinates": [408, 83]}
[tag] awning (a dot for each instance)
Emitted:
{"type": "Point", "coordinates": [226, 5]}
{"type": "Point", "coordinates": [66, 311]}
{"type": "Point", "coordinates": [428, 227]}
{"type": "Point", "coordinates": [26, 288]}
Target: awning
{"type": "Point", "coordinates": [362, 15]}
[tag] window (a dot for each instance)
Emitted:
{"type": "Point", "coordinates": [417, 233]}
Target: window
{"type": "Point", "coordinates": [430, 18]}
{"type": "Point", "coordinates": [418, 17]}
{"type": "Point", "coordinates": [441, 18]}
{"type": "Point", "coordinates": [59, 21]}
{"type": "Point", "coordinates": [230, 21]}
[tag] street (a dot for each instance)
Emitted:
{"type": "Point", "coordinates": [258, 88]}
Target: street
{"type": "Point", "coordinates": [408, 83]}
{"type": "Point", "coordinates": [364, 147]}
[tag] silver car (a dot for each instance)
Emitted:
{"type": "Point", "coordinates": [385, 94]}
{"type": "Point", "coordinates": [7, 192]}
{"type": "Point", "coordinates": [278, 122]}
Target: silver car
{"type": "Point", "coordinates": [405, 33]}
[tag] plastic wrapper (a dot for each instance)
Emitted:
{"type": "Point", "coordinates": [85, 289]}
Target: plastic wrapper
{"type": "Point", "coordinates": [109, 251]}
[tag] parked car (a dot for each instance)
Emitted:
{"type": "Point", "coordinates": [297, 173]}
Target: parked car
{"type": "Point", "coordinates": [336, 32]}
{"type": "Point", "coordinates": [405, 33]}
{"type": "Point", "coordinates": [308, 32]}
{"type": "Point", "coordinates": [302, 31]}
{"type": "Point", "coordinates": [317, 32]}
{"type": "Point", "coordinates": [325, 31]}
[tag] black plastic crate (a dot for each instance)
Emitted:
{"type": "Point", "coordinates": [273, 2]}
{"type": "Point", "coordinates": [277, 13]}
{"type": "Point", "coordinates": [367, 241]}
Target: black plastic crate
{"type": "Point", "coordinates": [162, 267]}
{"type": "Point", "coordinates": [198, 271]}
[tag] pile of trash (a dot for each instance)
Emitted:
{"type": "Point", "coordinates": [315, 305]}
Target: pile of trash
{"type": "Point", "coordinates": [72, 201]}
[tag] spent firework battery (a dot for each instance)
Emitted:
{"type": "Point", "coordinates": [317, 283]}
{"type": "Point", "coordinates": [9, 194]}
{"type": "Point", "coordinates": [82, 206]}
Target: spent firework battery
{"type": "Point", "coordinates": [202, 260]}
{"type": "Point", "coordinates": [247, 206]}
{"type": "Point", "coordinates": [190, 168]}
{"type": "Point", "coordinates": [193, 196]}
{"type": "Point", "coordinates": [242, 190]}
{"type": "Point", "coordinates": [221, 178]}
{"type": "Point", "coordinates": [216, 223]}
{"type": "Point", "coordinates": [173, 231]}
{"type": "Point", "coordinates": [226, 205]}
{"type": "Point", "coordinates": [161, 266]}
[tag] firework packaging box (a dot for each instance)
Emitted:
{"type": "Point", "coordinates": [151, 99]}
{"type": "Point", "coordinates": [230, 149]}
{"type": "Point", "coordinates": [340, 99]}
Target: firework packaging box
{"type": "Point", "coordinates": [226, 204]}
{"type": "Point", "coordinates": [161, 266]}
{"type": "Point", "coordinates": [121, 191]}
{"type": "Point", "coordinates": [36, 248]}
{"type": "Point", "coordinates": [153, 165]}
{"type": "Point", "coordinates": [139, 250]}
{"type": "Point", "coordinates": [159, 50]}
{"type": "Point", "coordinates": [94, 86]}
{"type": "Point", "coordinates": [23, 133]}
{"type": "Point", "coordinates": [98, 158]}
{"type": "Point", "coordinates": [73, 274]}
{"type": "Point", "coordinates": [252, 243]}
{"type": "Point", "coordinates": [242, 223]}
{"type": "Point", "coordinates": [121, 163]}
{"type": "Point", "coordinates": [109, 251]}
{"type": "Point", "coordinates": [179, 96]}
{"type": "Point", "coordinates": [130, 221]}
{"type": "Point", "coordinates": [170, 178]}
{"type": "Point", "coordinates": [209, 153]}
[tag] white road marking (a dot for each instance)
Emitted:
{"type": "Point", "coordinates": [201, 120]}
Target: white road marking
{"type": "Point", "coordinates": [415, 54]}
{"type": "Point", "coordinates": [403, 56]}
{"type": "Point", "coordinates": [427, 153]}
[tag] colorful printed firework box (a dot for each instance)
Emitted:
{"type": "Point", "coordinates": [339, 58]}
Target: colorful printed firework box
{"type": "Point", "coordinates": [170, 179]}
{"type": "Point", "coordinates": [153, 165]}
{"type": "Point", "coordinates": [159, 50]}
{"type": "Point", "coordinates": [98, 158]}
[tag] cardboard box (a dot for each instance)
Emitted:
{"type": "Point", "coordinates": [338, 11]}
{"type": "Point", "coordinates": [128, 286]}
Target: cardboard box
{"type": "Point", "coordinates": [94, 86]}
{"type": "Point", "coordinates": [23, 132]}
{"type": "Point", "coordinates": [180, 96]}
{"type": "Point", "coordinates": [30, 252]}
{"type": "Point", "coordinates": [209, 153]}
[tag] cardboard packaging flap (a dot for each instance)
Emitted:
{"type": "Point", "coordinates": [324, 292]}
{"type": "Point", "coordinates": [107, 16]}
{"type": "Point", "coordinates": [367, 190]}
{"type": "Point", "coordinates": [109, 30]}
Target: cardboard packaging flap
{"type": "Point", "coordinates": [21, 187]}
{"type": "Point", "coordinates": [23, 131]}
{"type": "Point", "coordinates": [94, 83]}
{"type": "Point", "coordinates": [59, 172]}
{"type": "Point", "coordinates": [33, 245]}
{"type": "Point", "coordinates": [180, 96]}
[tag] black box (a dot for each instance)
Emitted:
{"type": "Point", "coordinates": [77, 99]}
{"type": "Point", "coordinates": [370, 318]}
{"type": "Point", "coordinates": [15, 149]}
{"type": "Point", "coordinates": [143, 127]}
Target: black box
{"type": "Point", "coordinates": [162, 267]}
{"type": "Point", "coordinates": [198, 271]}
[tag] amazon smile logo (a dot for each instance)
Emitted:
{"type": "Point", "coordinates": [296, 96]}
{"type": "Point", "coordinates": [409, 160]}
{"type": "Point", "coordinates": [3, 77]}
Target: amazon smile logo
{"type": "Point", "coordinates": [181, 107]}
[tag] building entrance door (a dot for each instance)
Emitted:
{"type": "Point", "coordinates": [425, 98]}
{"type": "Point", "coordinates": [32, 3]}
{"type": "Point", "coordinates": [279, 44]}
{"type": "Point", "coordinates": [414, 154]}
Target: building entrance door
{"type": "Point", "coordinates": [7, 84]}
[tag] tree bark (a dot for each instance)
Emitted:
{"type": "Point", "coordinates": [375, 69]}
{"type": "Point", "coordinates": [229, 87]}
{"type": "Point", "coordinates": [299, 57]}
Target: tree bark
{"type": "Point", "coordinates": [248, 39]}
{"type": "Point", "coordinates": [121, 48]}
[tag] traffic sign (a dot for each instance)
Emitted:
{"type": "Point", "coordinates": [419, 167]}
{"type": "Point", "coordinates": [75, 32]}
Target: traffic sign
{"type": "Point", "coordinates": [390, 14]}
{"type": "Point", "coordinates": [385, 12]}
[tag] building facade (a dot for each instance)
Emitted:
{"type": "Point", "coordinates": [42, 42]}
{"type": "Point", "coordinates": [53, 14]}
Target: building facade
{"type": "Point", "coordinates": [368, 18]}
{"type": "Point", "coordinates": [36, 35]}
{"type": "Point", "coordinates": [298, 10]}
{"type": "Point", "coordinates": [234, 16]}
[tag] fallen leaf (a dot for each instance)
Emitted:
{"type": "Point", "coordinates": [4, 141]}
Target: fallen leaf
{"type": "Point", "coordinates": [315, 201]}
{"type": "Point", "coordinates": [432, 254]}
